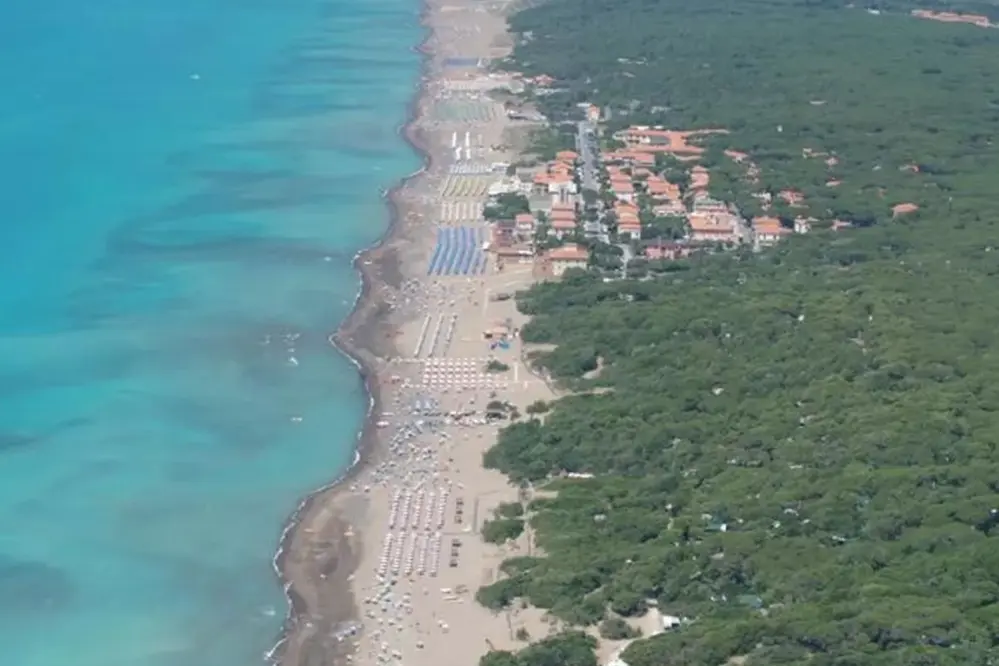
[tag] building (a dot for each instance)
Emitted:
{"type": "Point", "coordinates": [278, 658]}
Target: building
{"type": "Point", "coordinates": [524, 224]}
{"type": "Point", "coordinates": [768, 231]}
{"type": "Point", "coordinates": [628, 158]}
{"type": "Point", "coordinates": [624, 209]}
{"type": "Point", "coordinates": [517, 254]}
{"type": "Point", "coordinates": [564, 227]}
{"type": "Point", "coordinates": [561, 259]}
{"type": "Point", "coordinates": [623, 190]}
{"type": "Point", "coordinates": [554, 183]}
{"type": "Point", "coordinates": [661, 189]}
{"type": "Point", "coordinates": [713, 228]}
{"type": "Point", "coordinates": [657, 139]}
{"type": "Point", "coordinates": [563, 219]}
{"type": "Point", "coordinates": [705, 204]}
{"type": "Point", "coordinates": [557, 178]}
{"type": "Point", "coordinates": [792, 198]}
{"type": "Point", "coordinates": [666, 250]}
{"type": "Point", "coordinates": [952, 17]}
{"type": "Point", "coordinates": [670, 208]}
{"type": "Point", "coordinates": [631, 226]}
{"type": "Point", "coordinates": [567, 156]}
{"type": "Point", "coordinates": [699, 179]}
{"type": "Point", "coordinates": [503, 234]}
{"type": "Point", "coordinates": [802, 225]}
{"type": "Point", "coordinates": [593, 113]}
{"type": "Point", "coordinates": [509, 185]}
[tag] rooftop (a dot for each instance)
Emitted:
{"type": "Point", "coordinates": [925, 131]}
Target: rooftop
{"type": "Point", "coordinates": [769, 226]}
{"type": "Point", "coordinates": [570, 252]}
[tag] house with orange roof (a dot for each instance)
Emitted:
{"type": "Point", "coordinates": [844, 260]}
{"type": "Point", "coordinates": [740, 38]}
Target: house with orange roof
{"type": "Point", "coordinates": [629, 158]}
{"type": "Point", "coordinates": [563, 219]}
{"type": "Point", "coordinates": [627, 219]}
{"type": "Point", "coordinates": [712, 228]}
{"type": "Point", "coordinates": [563, 226]}
{"type": "Point", "coordinates": [705, 204]}
{"type": "Point", "coordinates": [661, 189]}
{"type": "Point", "coordinates": [524, 224]}
{"type": "Point", "coordinates": [560, 259]}
{"type": "Point", "coordinates": [542, 80]}
{"type": "Point", "coordinates": [953, 17]}
{"type": "Point", "coordinates": [768, 231]}
{"type": "Point", "coordinates": [502, 234]}
{"type": "Point", "coordinates": [561, 167]}
{"type": "Point", "coordinates": [700, 179]}
{"type": "Point", "coordinates": [623, 190]}
{"type": "Point", "coordinates": [632, 227]}
{"type": "Point", "coordinates": [593, 113]}
{"type": "Point", "coordinates": [567, 156]}
{"type": "Point", "coordinates": [670, 208]}
{"type": "Point", "coordinates": [557, 178]}
{"type": "Point", "coordinates": [518, 253]}
{"type": "Point", "coordinates": [666, 250]}
{"type": "Point", "coordinates": [625, 208]}
{"type": "Point", "coordinates": [638, 158]}
{"type": "Point", "coordinates": [792, 198]}
{"type": "Point", "coordinates": [657, 139]}
{"type": "Point", "coordinates": [903, 209]}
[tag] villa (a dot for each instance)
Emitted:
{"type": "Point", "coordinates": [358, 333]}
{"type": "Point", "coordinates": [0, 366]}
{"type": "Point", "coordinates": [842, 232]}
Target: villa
{"type": "Point", "coordinates": [952, 17]}
{"type": "Point", "coordinates": [561, 259]}
{"type": "Point", "coordinates": [713, 227]}
{"type": "Point", "coordinates": [665, 250]}
{"type": "Point", "coordinates": [768, 231]}
{"type": "Point", "coordinates": [657, 139]}
{"type": "Point", "coordinates": [623, 190]}
{"type": "Point", "coordinates": [660, 189]}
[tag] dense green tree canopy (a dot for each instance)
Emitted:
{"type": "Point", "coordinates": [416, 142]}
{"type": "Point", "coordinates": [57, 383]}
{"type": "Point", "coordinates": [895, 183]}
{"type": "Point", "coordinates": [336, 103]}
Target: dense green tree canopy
{"type": "Point", "coordinates": [797, 449]}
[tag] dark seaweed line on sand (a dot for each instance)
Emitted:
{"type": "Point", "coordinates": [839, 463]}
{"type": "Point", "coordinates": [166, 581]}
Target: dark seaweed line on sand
{"type": "Point", "coordinates": [356, 319]}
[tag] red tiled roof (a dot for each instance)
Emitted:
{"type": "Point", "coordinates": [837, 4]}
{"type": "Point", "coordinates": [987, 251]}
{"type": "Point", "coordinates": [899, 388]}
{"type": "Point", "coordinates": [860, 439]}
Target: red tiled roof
{"type": "Point", "coordinates": [569, 252]}
{"type": "Point", "coordinates": [769, 225]}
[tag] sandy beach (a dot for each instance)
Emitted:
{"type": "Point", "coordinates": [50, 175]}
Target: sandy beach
{"type": "Point", "coordinates": [383, 566]}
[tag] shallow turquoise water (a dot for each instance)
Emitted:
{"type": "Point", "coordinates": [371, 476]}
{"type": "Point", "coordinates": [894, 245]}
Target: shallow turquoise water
{"type": "Point", "coordinates": [185, 183]}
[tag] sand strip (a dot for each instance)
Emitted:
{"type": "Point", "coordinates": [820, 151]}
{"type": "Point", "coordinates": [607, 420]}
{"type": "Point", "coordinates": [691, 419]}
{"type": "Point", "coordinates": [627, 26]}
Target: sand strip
{"type": "Point", "coordinates": [382, 566]}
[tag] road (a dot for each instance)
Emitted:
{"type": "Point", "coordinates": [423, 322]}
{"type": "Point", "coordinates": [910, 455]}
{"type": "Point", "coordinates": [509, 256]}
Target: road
{"type": "Point", "coordinates": [584, 146]}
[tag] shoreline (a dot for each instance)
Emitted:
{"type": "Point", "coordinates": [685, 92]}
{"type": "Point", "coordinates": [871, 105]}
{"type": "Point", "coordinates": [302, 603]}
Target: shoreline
{"type": "Point", "coordinates": [356, 553]}
{"type": "Point", "coordinates": [359, 317]}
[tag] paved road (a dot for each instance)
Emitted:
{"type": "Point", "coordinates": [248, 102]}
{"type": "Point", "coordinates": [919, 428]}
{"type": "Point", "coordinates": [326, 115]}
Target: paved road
{"type": "Point", "coordinates": [585, 135]}
{"type": "Point", "coordinates": [584, 146]}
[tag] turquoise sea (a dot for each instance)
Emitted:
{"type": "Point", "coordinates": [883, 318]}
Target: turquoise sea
{"type": "Point", "coordinates": [184, 185]}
